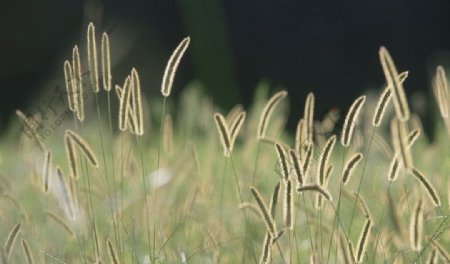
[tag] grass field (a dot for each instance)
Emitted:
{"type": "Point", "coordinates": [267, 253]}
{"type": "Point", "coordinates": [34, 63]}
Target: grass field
{"type": "Point", "coordinates": [109, 176]}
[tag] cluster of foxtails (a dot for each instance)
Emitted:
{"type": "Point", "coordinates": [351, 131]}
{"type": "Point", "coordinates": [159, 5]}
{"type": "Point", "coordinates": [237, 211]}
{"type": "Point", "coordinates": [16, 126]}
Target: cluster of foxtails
{"type": "Point", "coordinates": [130, 118]}
{"type": "Point", "coordinates": [295, 163]}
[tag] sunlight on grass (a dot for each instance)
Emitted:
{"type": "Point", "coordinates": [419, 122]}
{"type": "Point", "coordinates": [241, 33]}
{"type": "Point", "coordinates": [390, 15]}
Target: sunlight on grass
{"type": "Point", "coordinates": [112, 181]}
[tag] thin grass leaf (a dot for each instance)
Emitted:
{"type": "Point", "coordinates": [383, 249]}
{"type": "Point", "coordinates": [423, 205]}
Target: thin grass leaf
{"type": "Point", "coordinates": [442, 251]}
{"type": "Point", "coordinates": [168, 134]}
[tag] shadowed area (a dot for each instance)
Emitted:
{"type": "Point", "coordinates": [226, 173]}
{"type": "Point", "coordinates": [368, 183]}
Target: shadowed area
{"type": "Point", "coordinates": [329, 48]}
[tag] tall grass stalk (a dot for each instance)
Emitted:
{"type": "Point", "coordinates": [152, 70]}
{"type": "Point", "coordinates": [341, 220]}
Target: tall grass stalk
{"type": "Point", "coordinates": [150, 243]}
{"type": "Point", "coordinates": [341, 185]}
{"type": "Point", "coordinates": [360, 181]}
{"type": "Point", "coordinates": [105, 179]}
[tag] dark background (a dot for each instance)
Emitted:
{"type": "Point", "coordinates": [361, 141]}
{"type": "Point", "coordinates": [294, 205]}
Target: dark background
{"type": "Point", "coordinates": [329, 47]}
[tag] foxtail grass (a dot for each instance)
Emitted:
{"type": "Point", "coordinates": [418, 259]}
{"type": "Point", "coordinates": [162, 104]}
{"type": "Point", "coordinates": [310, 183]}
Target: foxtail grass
{"type": "Point", "coordinates": [9, 243]}
{"type": "Point", "coordinates": [27, 252]}
{"type": "Point", "coordinates": [172, 66]}
{"type": "Point", "coordinates": [393, 81]}
{"type": "Point", "coordinates": [265, 212]}
{"type": "Point", "coordinates": [190, 209]}
{"type": "Point", "coordinates": [267, 113]}
{"type": "Point", "coordinates": [350, 120]}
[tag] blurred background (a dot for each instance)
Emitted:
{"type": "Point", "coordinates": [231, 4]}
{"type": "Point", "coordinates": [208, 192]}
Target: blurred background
{"type": "Point", "coordinates": [328, 47]}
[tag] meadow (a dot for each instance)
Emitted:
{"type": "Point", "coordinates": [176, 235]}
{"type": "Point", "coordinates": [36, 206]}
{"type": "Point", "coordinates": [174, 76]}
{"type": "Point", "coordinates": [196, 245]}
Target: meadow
{"type": "Point", "coordinates": [111, 176]}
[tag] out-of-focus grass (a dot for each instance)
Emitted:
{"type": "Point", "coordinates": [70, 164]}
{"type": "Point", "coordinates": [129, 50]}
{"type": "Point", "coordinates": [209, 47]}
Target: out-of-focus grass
{"type": "Point", "coordinates": [193, 203]}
